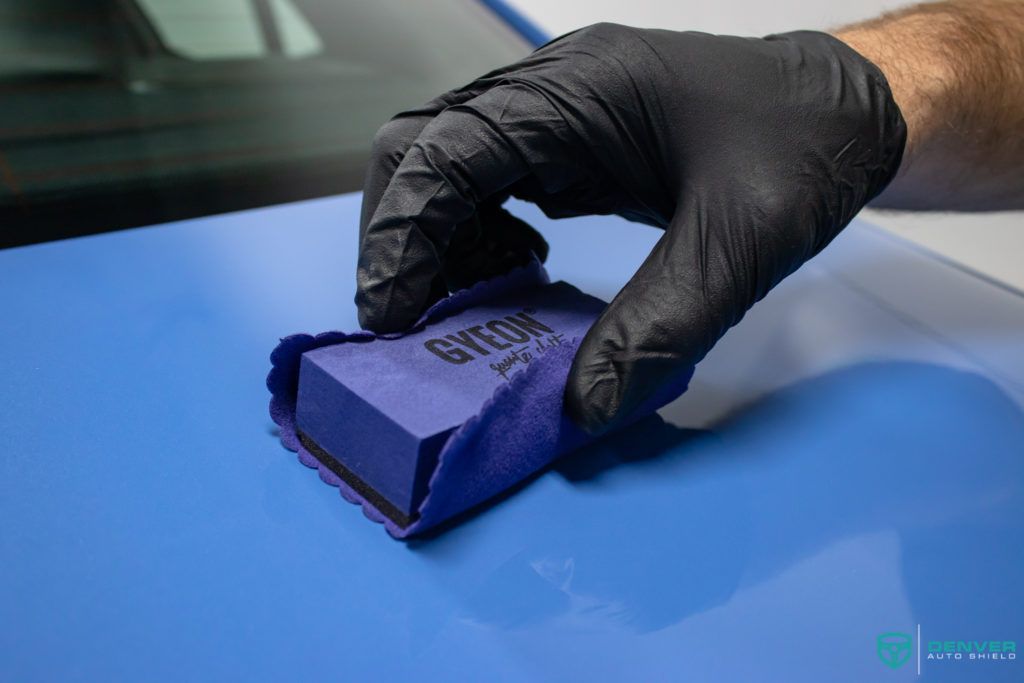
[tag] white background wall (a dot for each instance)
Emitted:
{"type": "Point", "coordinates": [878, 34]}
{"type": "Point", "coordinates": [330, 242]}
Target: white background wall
{"type": "Point", "coordinates": [990, 243]}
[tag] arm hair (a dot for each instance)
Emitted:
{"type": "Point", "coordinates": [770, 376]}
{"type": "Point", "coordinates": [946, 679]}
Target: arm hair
{"type": "Point", "coordinates": [956, 69]}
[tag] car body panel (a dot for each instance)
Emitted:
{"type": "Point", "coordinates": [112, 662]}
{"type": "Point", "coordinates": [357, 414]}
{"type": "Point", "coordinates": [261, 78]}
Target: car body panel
{"type": "Point", "coordinates": [846, 463]}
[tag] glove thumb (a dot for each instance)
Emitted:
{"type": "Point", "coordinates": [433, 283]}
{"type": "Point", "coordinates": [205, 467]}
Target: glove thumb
{"type": "Point", "coordinates": [682, 299]}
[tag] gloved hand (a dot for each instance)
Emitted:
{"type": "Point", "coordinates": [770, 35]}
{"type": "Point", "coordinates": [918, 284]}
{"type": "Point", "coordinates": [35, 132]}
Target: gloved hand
{"type": "Point", "coordinates": [752, 154]}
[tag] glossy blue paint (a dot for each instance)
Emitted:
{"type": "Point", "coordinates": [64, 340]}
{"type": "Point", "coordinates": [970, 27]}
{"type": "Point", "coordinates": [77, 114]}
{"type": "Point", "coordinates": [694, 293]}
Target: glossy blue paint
{"type": "Point", "coordinates": [847, 462]}
{"type": "Point", "coordinates": [518, 21]}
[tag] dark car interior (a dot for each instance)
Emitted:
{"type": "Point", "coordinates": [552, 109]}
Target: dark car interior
{"type": "Point", "coordinates": [122, 113]}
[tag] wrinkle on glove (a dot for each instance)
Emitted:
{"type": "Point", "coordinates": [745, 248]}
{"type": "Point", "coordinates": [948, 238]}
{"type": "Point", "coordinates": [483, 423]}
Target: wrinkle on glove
{"type": "Point", "coordinates": [750, 153]}
{"type": "Point", "coordinates": [520, 430]}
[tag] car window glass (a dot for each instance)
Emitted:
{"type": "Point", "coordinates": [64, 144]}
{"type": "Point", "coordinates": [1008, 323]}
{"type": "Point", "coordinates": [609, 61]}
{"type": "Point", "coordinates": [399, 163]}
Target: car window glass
{"type": "Point", "coordinates": [121, 113]}
{"type": "Point", "coordinates": [207, 29]}
{"type": "Point", "coordinates": [51, 38]}
{"type": "Point", "coordinates": [298, 37]}
{"type": "Point", "coordinates": [229, 29]}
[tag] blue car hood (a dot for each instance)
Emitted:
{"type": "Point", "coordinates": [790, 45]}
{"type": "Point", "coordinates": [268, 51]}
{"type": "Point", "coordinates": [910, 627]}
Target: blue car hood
{"type": "Point", "coordinates": [846, 464]}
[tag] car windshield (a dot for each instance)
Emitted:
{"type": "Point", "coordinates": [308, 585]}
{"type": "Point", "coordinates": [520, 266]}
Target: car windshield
{"type": "Point", "coordinates": [120, 113]}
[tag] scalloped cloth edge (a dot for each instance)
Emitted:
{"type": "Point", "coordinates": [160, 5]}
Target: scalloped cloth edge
{"type": "Point", "coordinates": [521, 429]}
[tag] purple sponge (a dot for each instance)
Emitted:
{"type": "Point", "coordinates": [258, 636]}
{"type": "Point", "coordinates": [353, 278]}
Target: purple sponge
{"type": "Point", "coordinates": [422, 425]}
{"type": "Point", "coordinates": [383, 410]}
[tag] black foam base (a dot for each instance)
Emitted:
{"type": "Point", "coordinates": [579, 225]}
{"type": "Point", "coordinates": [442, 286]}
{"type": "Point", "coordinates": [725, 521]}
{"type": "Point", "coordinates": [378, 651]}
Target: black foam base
{"type": "Point", "coordinates": [378, 501]}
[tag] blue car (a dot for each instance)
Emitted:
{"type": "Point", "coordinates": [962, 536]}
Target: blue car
{"type": "Point", "coordinates": [839, 496]}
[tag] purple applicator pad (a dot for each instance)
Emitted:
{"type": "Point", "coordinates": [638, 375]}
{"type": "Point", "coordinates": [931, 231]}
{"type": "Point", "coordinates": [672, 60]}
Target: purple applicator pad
{"type": "Point", "coordinates": [422, 425]}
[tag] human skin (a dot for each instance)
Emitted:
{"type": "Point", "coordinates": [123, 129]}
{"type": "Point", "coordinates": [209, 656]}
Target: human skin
{"type": "Point", "coordinates": [956, 70]}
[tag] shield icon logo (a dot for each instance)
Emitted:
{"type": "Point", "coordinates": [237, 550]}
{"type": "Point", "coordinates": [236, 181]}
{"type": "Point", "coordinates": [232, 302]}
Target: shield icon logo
{"type": "Point", "coordinates": [894, 649]}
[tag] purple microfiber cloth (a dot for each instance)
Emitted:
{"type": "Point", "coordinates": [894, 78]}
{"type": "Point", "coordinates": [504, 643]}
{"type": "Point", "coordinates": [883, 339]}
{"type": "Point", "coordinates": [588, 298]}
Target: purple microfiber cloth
{"type": "Point", "coordinates": [518, 430]}
{"type": "Point", "coordinates": [401, 397]}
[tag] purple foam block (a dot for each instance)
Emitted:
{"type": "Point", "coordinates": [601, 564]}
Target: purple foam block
{"type": "Point", "coordinates": [378, 412]}
{"type": "Point", "coordinates": [517, 430]}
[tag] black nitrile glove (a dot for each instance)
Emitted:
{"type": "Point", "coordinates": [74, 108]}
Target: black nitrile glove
{"type": "Point", "coordinates": [752, 154]}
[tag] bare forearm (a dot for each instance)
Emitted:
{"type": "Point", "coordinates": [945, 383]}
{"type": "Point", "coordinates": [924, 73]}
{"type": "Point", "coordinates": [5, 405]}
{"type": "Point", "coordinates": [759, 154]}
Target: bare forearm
{"type": "Point", "coordinates": [956, 70]}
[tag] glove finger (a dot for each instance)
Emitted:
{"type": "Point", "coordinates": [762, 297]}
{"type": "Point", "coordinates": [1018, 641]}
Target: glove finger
{"type": "Point", "coordinates": [490, 243]}
{"type": "Point", "coordinates": [393, 140]}
{"type": "Point", "coordinates": [711, 265]}
{"type": "Point", "coordinates": [466, 154]}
